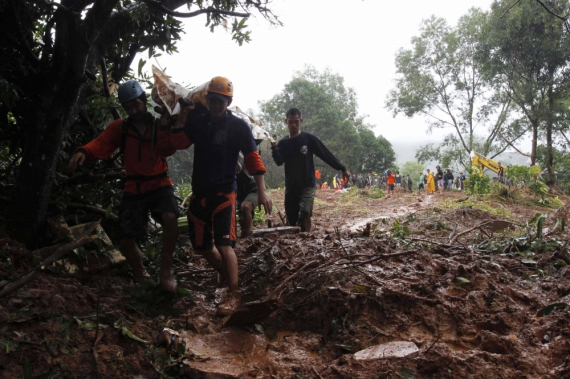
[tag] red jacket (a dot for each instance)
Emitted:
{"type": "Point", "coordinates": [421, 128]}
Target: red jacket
{"type": "Point", "coordinates": [142, 157]}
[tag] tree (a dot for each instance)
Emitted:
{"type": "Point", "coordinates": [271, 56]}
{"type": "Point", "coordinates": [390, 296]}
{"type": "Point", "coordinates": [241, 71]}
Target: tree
{"type": "Point", "coordinates": [413, 169]}
{"type": "Point", "coordinates": [440, 79]}
{"type": "Point", "coordinates": [377, 153]}
{"type": "Point", "coordinates": [527, 53]}
{"type": "Point", "coordinates": [329, 111]}
{"type": "Point", "coordinates": [58, 57]}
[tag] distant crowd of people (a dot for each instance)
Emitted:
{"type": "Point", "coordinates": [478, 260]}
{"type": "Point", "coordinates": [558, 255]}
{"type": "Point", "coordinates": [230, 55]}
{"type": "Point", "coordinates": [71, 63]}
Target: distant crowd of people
{"type": "Point", "coordinates": [438, 180]}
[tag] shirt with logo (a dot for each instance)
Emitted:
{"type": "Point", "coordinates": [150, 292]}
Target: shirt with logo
{"type": "Point", "coordinates": [297, 155]}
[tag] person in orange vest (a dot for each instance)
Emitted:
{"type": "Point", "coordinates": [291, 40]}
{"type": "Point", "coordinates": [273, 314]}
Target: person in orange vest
{"type": "Point", "coordinates": [147, 188]}
{"type": "Point", "coordinates": [317, 179]}
{"type": "Point", "coordinates": [391, 180]}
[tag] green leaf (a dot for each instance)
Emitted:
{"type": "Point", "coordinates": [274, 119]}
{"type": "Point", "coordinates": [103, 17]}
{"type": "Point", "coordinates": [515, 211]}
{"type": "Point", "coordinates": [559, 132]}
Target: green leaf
{"type": "Point", "coordinates": [128, 333]}
{"type": "Point", "coordinates": [361, 289]}
{"type": "Point", "coordinates": [550, 309]}
{"type": "Point", "coordinates": [182, 291]}
{"type": "Point", "coordinates": [406, 373]}
{"type": "Point", "coordinates": [460, 282]}
{"type": "Point", "coordinates": [108, 211]}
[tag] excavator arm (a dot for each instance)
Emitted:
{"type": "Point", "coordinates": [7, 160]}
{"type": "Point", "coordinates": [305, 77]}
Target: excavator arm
{"type": "Point", "coordinates": [482, 162]}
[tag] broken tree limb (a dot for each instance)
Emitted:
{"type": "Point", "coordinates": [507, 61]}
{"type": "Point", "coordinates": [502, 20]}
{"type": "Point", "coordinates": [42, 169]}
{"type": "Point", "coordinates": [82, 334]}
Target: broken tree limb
{"type": "Point", "coordinates": [59, 253]}
{"type": "Point", "coordinates": [283, 219]}
{"type": "Point", "coordinates": [452, 241]}
{"type": "Point", "coordinates": [189, 273]}
{"type": "Point", "coordinates": [278, 288]}
{"type": "Point", "coordinates": [384, 256]}
{"type": "Point", "coordinates": [278, 230]}
{"type": "Point", "coordinates": [92, 209]}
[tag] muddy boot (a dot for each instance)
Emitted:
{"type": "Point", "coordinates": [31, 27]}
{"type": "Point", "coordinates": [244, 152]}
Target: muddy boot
{"type": "Point", "coordinates": [232, 302]}
{"type": "Point", "coordinates": [304, 221]}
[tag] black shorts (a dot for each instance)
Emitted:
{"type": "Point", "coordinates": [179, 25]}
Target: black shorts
{"type": "Point", "coordinates": [390, 187]}
{"type": "Point", "coordinates": [252, 198]}
{"type": "Point", "coordinates": [134, 209]}
{"type": "Point", "coordinates": [211, 220]}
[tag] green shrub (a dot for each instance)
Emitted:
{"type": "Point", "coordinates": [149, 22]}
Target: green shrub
{"type": "Point", "coordinates": [477, 184]}
{"type": "Point", "coordinates": [503, 191]}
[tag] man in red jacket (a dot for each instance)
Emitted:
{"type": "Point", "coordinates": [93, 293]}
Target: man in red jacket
{"type": "Point", "coordinates": [148, 187]}
{"type": "Point", "coordinates": [218, 137]}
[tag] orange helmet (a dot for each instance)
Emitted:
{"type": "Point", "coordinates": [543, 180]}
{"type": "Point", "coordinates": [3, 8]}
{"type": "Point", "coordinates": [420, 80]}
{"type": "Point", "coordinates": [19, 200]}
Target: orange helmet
{"type": "Point", "coordinates": [221, 85]}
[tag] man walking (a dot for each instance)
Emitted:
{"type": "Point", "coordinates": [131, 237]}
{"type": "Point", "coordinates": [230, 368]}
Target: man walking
{"type": "Point", "coordinates": [148, 187]}
{"type": "Point", "coordinates": [296, 151]}
{"type": "Point", "coordinates": [218, 137]}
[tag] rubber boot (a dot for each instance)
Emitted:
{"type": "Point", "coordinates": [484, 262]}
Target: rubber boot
{"type": "Point", "coordinates": [304, 221]}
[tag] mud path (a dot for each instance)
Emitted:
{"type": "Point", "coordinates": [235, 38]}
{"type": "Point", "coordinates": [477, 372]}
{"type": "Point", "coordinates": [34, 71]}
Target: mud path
{"type": "Point", "coordinates": [469, 307]}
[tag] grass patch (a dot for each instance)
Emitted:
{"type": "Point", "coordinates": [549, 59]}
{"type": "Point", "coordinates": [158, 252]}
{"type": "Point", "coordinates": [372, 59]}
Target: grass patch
{"type": "Point", "coordinates": [496, 209]}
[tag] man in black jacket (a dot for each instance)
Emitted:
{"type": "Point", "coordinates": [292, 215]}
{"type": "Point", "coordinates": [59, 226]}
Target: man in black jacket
{"type": "Point", "coordinates": [296, 150]}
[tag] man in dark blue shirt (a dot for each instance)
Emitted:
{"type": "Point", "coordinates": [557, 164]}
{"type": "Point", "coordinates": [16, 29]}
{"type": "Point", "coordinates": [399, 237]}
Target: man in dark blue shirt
{"type": "Point", "coordinates": [296, 151]}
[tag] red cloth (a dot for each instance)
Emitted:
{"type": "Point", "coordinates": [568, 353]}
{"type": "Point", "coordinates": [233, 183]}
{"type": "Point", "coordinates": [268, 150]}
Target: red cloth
{"type": "Point", "coordinates": [140, 157]}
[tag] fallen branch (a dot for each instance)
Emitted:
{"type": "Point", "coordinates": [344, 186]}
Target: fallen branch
{"type": "Point", "coordinates": [283, 219]}
{"type": "Point", "coordinates": [188, 273]}
{"type": "Point", "coordinates": [276, 290]}
{"type": "Point", "coordinates": [59, 253]}
{"type": "Point", "coordinates": [92, 209]}
{"type": "Point", "coordinates": [385, 256]}
{"type": "Point", "coordinates": [452, 241]}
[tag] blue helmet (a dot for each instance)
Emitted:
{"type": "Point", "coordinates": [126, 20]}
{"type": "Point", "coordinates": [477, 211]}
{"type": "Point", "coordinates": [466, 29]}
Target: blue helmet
{"type": "Point", "coordinates": [129, 90]}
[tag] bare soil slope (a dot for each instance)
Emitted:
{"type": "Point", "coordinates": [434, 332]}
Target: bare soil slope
{"type": "Point", "coordinates": [466, 280]}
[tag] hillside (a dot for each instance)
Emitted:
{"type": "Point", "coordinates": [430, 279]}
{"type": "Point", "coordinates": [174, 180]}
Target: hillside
{"type": "Point", "coordinates": [468, 281]}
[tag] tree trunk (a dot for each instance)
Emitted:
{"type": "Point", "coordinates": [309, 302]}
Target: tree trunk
{"type": "Point", "coordinates": [549, 151]}
{"type": "Point", "coordinates": [59, 86]}
{"type": "Point", "coordinates": [534, 142]}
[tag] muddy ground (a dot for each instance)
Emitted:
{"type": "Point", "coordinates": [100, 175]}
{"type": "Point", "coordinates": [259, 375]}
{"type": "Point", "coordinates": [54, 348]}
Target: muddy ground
{"type": "Point", "coordinates": [466, 280]}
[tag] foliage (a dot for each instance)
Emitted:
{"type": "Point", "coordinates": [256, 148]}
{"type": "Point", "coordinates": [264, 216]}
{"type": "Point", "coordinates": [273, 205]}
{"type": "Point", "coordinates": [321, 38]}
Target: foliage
{"type": "Point", "coordinates": [258, 216]}
{"type": "Point", "coordinates": [539, 189]}
{"type": "Point", "coordinates": [330, 111]}
{"type": "Point", "coordinates": [502, 191]}
{"type": "Point", "coordinates": [441, 79]}
{"type": "Point", "coordinates": [561, 164]}
{"type": "Point", "coordinates": [413, 169]}
{"type": "Point", "coordinates": [377, 153]}
{"type": "Point", "coordinates": [526, 52]}
{"type": "Point", "coordinates": [476, 202]}
{"type": "Point", "coordinates": [184, 189]}
{"type": "Point", "coordinates": [62, 61]}
{"type": "Point", "coordinates": [477, 184]}
{"type": "Point", "coordinates": [519, 174]}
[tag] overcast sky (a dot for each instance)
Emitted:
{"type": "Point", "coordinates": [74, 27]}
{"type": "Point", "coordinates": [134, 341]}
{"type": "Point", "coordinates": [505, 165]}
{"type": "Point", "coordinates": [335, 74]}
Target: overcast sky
{"type": "Point", "coordinates": [356, 39]}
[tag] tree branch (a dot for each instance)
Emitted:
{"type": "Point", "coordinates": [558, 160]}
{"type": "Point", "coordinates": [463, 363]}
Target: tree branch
{"type": "Point", "coordinates": [509, 8]}
{"type": "Point", "coordinates": [170, 11]}
{"type": "Point", "coordinates": [563, 18]}
{"type": "Point", "coordinates": [59, 253]}
{"type": "Point", "coordinates": [106, 91]}
{"type": "Point", "coordinates": [513, 146]}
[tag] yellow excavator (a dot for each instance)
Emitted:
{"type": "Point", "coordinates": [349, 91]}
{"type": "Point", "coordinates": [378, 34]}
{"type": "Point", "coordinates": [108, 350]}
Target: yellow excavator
{"type": "Point", "coordinates": [482, 162]}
